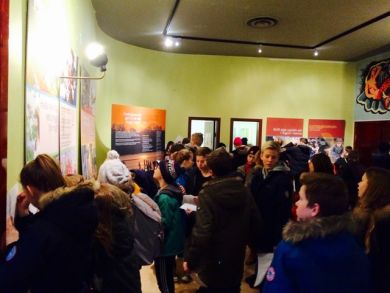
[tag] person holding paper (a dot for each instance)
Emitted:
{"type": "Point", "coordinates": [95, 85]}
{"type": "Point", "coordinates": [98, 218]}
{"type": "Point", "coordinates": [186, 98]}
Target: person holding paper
{"type": "Point", "coordinates": [53, 249]}
{"type": "Point", "coordinates": [319, 253]}
{"type": "Point", "coordinates": [226, 220]}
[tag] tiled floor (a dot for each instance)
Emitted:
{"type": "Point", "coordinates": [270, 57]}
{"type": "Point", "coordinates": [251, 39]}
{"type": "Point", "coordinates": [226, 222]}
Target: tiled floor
{"type": "Point", "coordinates": [149, 283]}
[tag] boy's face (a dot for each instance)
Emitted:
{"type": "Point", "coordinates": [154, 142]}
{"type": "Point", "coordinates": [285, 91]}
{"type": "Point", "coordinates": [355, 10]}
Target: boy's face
{"type": "Point", "coordinates": [270, 158]}
{"type": "Point", "coordinates": [304, 212]}
{"type": "Point", "coordinates": [250, 158]}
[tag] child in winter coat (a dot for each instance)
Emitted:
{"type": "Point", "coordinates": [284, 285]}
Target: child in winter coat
{"type": "Point", "coordinates": [319, 253]}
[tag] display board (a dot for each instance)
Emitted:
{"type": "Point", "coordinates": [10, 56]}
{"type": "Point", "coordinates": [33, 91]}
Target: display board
{"type": "Point", "coordinates": [138, 134]}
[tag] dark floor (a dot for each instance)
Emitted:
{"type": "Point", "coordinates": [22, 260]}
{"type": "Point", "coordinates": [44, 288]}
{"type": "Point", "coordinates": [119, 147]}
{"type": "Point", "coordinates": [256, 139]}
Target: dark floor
{"type": "Point", "coordinates": [149, 283]}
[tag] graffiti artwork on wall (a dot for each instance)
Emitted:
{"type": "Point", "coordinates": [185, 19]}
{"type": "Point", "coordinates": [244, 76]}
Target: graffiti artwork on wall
{"type": "Point", "coordinates": [375, 87]}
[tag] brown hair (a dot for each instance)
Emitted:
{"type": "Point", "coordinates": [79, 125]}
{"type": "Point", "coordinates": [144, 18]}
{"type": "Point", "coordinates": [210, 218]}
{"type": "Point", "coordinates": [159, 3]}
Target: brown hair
{"type": "Point", "coordinates": [377, 194]}
{"type": "Point", "coordinates": [328, 191]}
{"type": "Point", "coordinates": [182, 155]}
{"type": "Point", "coordinates": [203, 151]}
{"type": "Point", "coordinates": [43, 173]}
{"type": "Point", "coordinates": [110, 200]}
{"type": "Point", "coordinates": [219, 162]}
{"type": "Point", "coordinates": [197, 138]}
{"type": "Point", "coordinates": [322, 163]}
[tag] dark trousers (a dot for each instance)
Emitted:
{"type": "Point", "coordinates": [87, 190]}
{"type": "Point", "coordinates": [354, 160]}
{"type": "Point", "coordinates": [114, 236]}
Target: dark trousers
{"type": "Point", "coordinates": [164, 273]}
{"type": "Point", "coordinates": [235, 289]}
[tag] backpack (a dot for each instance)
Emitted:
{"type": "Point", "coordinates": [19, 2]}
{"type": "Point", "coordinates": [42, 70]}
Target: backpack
{"type": "Point", "coordinates": [148, 230]}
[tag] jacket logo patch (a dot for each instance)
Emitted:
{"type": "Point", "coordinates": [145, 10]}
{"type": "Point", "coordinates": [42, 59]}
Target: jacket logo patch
{"type": "Point", "coordinates": [11, 254]}
{"type": "Point", "coordinates": [270, 275]}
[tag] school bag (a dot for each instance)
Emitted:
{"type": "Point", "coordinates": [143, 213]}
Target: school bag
{"type": "Point", "coordinates": [148, 230]}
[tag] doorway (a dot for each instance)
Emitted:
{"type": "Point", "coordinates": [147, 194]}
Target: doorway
{"type": "Point", "coordinates": [208, 126]}
{"type": "Point", "coordinates": [249, 128]}
{"type": "Point", "coordinates": [367, 136]}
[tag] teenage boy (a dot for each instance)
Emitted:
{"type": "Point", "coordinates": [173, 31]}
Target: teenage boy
{"type": "Point", "coordinates": [318, 253]}
{"type": "Point", "coordinates": [271, 188]}
{"type": "Point", "coordinates": [226, 220]}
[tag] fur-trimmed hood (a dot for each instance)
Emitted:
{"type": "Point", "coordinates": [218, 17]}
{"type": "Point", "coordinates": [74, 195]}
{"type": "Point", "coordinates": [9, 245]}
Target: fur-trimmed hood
{"type": "Point", "coordinates": [296, 232]}
{"type": "Point", "coordinates": [72, 209]}
{"type": "Point", "coordinates": [60, 192]}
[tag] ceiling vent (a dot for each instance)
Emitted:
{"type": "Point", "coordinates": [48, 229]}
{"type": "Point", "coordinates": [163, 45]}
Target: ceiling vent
{"type": "Point", "coordinates": [262, 22]}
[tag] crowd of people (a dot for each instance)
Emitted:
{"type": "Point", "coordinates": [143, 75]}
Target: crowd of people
{"type": "Point", "coordinates": [327, 224]}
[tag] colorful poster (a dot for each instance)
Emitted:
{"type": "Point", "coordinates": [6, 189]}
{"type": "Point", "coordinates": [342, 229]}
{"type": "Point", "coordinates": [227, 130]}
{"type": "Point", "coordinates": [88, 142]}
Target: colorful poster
{"type": "Point", "coordinates": [284, 130]}
{"type": "Point", "coordinates": [47, 42]}
{"type": "Point", "coordinates": [138, 134]}
{"type": "Point", "coordinates": [41, 125]}
{"type": "Point", "coordinates": [327, 136]}
{"type": "Point", "coordinates": [373, 89]}
{"type": "Point", "coordinates": [87, 127]}
{"type": "Point", "coordinates": [68, 117]}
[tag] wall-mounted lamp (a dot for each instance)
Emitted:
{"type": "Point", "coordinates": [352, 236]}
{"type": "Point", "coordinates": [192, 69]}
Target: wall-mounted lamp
{"type": "Point", "coordinates": [97, 57]}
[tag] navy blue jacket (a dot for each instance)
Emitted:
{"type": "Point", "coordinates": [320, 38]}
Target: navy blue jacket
{"type": "Point", "coordinates": [52, 253]}
{"type": "Point", "coordinates": [319, 255]}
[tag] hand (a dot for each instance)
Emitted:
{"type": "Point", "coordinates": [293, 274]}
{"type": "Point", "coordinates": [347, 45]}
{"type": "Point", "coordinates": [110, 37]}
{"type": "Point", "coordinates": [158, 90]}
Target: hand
{"type": "Point", "coordinates": [12, 234]}
{"type": "Point", "coordinates": [185, 267]}
{"type": "Point", "coordinates": [196, 200]}
{"type": "Point", "coordinates": [22, 204]}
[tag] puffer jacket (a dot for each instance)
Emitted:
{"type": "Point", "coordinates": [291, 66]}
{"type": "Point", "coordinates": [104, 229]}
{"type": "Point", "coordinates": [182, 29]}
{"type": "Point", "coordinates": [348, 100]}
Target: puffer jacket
{"type": "Point", "coordinates": [319, 256]}
{"type": "Point", "coordinates": [226, 221]}
{"type": "Point", "coordinates": [53, 253]}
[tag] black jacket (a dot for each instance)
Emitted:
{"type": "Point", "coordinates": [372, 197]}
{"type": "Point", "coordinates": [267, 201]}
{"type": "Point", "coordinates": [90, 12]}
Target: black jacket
{"type": "Point", "coordinates": [272, 195]}
{"type": "Point", "coordinates": [226, 221]}
{"type": "Point", "coordinates": [53, 251]}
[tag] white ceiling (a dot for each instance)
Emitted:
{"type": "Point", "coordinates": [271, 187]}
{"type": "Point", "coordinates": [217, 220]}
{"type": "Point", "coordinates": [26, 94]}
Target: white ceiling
{"type": "Point", "coordinates": [339, 29]}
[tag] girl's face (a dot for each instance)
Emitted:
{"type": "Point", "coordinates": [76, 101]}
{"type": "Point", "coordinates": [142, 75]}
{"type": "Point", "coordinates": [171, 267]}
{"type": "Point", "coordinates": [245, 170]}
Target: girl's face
{"type": "Point", "coordinates": [250, 159]}
{"type": "Point", "coordinates": [157, 174]}
{"type": "Point", "coordinates": [362, 186]}
{"type": "Point", "coordinates": [311, 166]}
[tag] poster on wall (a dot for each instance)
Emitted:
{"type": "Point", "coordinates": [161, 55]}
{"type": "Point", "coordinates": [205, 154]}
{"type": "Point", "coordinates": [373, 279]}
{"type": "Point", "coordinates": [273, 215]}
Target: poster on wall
{"type": "Point", "coordinates": [68, 116]}
{"type": "Point", "coordinates": [284, 130]}
{"type": "Point", "coordinates": [87, 127]}
{"type": "Point", "coordinates": [46, 51]}
{"type": "Point", "coordinates": [327, 136]}
{"type": "Point", "coordinates": [138, 134]}
{"type": "Point", "coordinates": [373, 97]}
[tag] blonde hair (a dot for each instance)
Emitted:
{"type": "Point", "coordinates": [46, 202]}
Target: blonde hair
{"type": "Point", "coordinates": [270, 145]}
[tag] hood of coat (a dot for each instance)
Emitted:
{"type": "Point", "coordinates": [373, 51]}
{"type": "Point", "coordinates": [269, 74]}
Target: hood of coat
{"type": "Point", "coordinates": [296, 232]}
{"type": "Point", "coordinates": [172, 191]}
{"type": "Point", "coordinates": [227, 192]}
{"type": "Point", "coordinates": [280, 167]}
{"type": "Point", "coordinates": [71, 208]}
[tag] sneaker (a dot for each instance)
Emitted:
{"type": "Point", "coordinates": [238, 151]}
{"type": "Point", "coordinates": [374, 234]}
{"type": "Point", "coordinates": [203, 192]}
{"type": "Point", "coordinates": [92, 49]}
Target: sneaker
{"type": "Point", "coordinates": [175, 279]}
{"type": "Point", "coordinates": [186, 279]}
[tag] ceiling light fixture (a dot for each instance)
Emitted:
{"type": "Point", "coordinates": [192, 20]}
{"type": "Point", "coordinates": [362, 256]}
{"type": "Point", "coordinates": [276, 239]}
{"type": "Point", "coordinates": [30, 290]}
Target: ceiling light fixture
{"type": "Point", "coordinates": [259, 50]}
{"type": "Point", "coordinates": [97, 57]}
{"type": "Point", "coordinates": [172, 42]}
{"type": "Point", "coordinates": [316, 53]}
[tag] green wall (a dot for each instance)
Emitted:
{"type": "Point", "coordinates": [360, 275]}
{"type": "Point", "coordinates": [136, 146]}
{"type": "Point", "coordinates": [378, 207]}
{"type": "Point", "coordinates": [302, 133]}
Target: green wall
{"type": "Point", "coordinates": [186, 85]}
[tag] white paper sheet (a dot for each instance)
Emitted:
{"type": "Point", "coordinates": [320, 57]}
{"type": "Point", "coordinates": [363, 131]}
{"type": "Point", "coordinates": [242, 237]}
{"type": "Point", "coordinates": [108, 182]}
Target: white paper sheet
{"type": "Point", "coordinates": [12, 196]}
{"type": "Point", "coordinates": [263, 262]}
{"type": "Point", "coordinates": [188, 206]}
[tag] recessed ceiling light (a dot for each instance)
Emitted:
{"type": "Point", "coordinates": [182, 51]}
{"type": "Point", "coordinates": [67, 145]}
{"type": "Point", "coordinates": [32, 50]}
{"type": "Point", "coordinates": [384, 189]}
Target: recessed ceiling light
{"type": "Point", "coordinates": [316, 53]}
{"type": "Point", "coordinates": [260, 50]}
{"type": "Point", "coordinates": [168, 42]}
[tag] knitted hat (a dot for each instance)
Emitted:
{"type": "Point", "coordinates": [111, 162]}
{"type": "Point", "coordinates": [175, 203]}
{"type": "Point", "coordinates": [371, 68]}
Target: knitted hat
{"type": "Point", "coordinates": [237, 141]}
{"type": "Point", "coordinates": [170, 170]}
{"type": "Point", "coordinates": [113, 171]}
